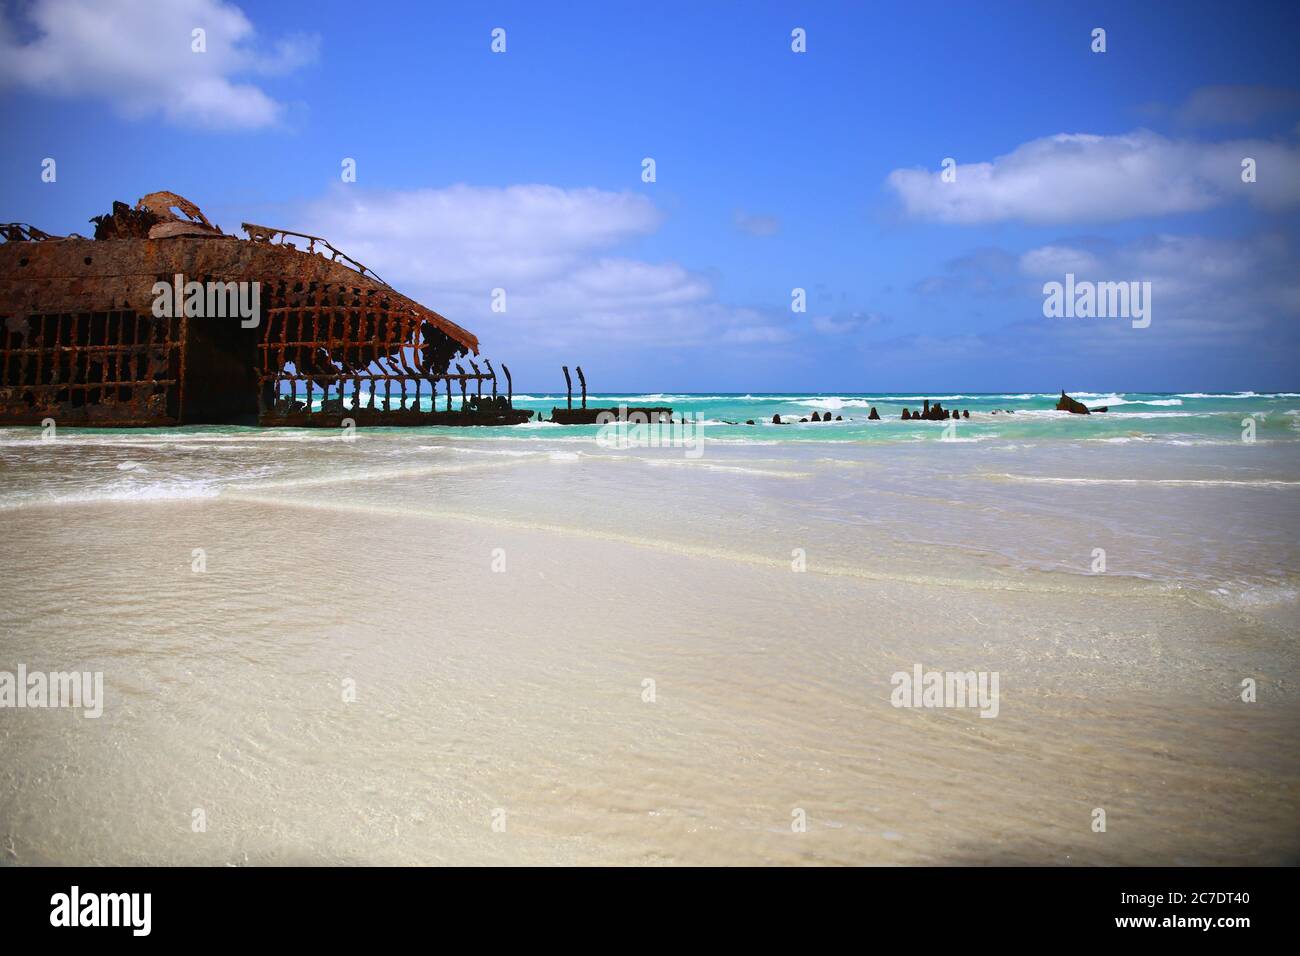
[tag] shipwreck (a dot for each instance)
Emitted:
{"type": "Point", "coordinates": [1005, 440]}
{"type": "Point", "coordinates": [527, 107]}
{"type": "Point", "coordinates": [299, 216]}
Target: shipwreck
{"type": "Point", "coordinates": [131, 328]}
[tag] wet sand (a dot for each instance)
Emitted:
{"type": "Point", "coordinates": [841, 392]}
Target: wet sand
{"type": "Point", "coordinates": [519, 695]}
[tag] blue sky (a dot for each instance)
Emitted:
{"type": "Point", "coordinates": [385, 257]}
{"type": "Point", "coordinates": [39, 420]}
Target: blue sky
{"type": "Point", "coordinates": [775, 170]}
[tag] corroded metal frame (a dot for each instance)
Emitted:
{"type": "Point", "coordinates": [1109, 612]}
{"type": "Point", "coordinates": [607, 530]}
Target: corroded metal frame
{"type": "Point", "coordinates": [323, 344]}
{"type": "Point", "coordinates": [103, 368]}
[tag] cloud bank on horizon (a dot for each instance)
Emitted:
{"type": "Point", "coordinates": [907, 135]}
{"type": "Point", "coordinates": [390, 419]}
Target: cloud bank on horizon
{"type": "Point", "coordinates": [912, 274]}
{"type": "Point", "coordinates": [1084, 178]}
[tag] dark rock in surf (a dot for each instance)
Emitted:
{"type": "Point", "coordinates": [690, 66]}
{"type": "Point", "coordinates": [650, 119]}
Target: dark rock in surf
{"type": "Point", "coordinates": [1068, 404]}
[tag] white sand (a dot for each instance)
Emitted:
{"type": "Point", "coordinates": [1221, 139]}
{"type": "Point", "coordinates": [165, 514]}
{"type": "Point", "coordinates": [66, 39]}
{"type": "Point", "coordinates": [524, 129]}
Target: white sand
{"type": "Point", "coordinates": [522, 691]}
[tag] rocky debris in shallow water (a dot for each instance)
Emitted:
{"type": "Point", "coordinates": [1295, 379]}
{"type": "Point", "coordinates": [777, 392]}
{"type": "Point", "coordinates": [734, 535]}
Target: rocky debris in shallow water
{"type": "Point", "coordinates": [933, 413]}
{"type": "Point", "coordinates": [929, 413]}
{"type": "Point", "coordinates": [286, 406]}
{"type": "Point", "coordinates": [1068, 404]}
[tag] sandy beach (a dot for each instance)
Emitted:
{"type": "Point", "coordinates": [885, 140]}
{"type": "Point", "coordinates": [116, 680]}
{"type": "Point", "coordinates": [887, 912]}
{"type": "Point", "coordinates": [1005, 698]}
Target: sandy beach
{"type": "Point", "coordinates": [426, 648]}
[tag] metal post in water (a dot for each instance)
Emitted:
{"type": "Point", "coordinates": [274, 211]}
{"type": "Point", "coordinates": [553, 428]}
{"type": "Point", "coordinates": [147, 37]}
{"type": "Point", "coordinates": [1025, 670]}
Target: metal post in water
{"type": "Point", "coordinates": [583, 379]}
{"type": "Point", "coordinates": [569, 383]}
{"type": "Point", "coordinates": [478, 380]}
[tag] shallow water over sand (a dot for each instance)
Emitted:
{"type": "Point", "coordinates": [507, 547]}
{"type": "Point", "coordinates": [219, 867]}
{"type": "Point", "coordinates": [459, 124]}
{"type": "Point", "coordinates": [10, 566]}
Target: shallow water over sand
{"type": "Point", "coordinates": [519, 694]}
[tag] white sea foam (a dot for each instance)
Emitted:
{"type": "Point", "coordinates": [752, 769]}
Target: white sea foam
{"type": "Point", "coordinates": [1051, 413]}
{"type": "Point", "coordinates": [503, 452]}
{"type": "Point", "coordinates": [835, 403]}
{"type": "Point", "coordinates": [1180, 482]}
{"type": "Point", "coordinates": [171, 490]}
{"type": "Point", "coordinates": [1253, 597]}
{"type": "Point", "coordinates": [1239, 395]}
{"type": "Point", "coordinates": [728, 469]}
{"type": "Point", "coordinates": [113, 439]}
{"type": "Point", "coordinates": [375, 474]}
{"type": "Point", "coordinates": [1113, 398]}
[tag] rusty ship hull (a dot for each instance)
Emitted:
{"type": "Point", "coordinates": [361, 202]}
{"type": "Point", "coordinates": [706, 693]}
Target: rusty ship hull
{"type": "Point", "coordinates": [82, 342]}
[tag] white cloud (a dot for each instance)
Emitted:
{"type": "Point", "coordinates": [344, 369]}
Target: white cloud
{"type": "Point", "coordinates": [1086, 178]}
{"type": "Point", "coordinates": [1206, 288]}
{"type": "Point", "coordinates": [619, 283]}
{"type": "Point", "coordinates": [471, 237]}
{"type": "Point", "coordinates": [1057, 260]}
{"type": "Point", "coordinates": [137, 55]}
{"type": "Point", "coordinates": [1229, 307]}
{"type": "Point", "coordinates": [555, 253]}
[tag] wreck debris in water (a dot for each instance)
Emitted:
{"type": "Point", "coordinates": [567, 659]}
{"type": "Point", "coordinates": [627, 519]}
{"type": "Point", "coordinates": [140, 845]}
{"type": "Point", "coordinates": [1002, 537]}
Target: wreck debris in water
{"type": "Point", "coordinates": [82, 343]}
{"type": "Point", "coordinates": [593, 416]}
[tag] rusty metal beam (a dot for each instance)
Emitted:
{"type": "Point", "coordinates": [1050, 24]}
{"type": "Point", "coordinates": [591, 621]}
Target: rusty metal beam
{"type": "Point", "coordinates": [79, 340]}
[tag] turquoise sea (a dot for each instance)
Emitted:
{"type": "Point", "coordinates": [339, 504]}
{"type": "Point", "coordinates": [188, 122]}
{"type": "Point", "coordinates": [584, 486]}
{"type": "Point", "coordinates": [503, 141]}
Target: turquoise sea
{"type": "Point", "coordinates": [1200, 417]}
{"type": "Point", "coordinates": [500, 598]}
{"type": "Point", "coordinates": [1193, 488]}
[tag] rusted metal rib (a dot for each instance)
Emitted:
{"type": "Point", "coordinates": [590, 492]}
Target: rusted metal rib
{"type": "Point", "coordinates": [79, 340]}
